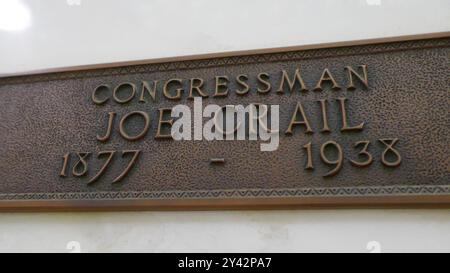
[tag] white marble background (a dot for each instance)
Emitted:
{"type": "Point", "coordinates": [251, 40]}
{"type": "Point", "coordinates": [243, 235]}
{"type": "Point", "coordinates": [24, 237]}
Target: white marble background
{"type": "Point", "coordinates": [57, 33]}
{"type": "Point", "coordinates": [229, 231]}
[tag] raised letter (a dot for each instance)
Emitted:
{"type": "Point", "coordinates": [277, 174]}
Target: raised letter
{"type": "Point", "coordinates": [196, 84]}
{"type": "Point", "coordinates": [243, 83]}
{"type": "Point", "coordinates": [142, 133]}
{"type": "Point", "coordinates": [264, 82]}
{"type": "Point", "coordinates": [323, 106]}
{"type": "Point", "coordinates": [291, 84]}
{"type": "Point", "coordinates": [94, 94]}
{"type": "Point", "coordinates": [326, 77]}
{"type": "Point", "coordinates": [326, 160]}
{"type": "Point", "coordinates": [108, 129]}
{"type": "Point", "coordinates": [390, 142]}
{"type": "Point", "coordinates": [363, 152]}
{"type": "Point", "coordinates": [294, 121]}
{"type": "Point", "coordinates": [345, 126]}
{"type": "Point", "coordinates": [103, 168]}
{"type": "Point", "coordinates": [161, 121]}
{"type": "Point", "coordinates": [166, 91]}
{"type": "Point", "coordinates": [128, 168]}
{"type": "Point", "coordinates": [220, 84]}
{"type": "Point", "coordinates": [119, 87]}
{"type": "Point", "coordinates": [362, 79]}
{"type": "Point", "coordinates": [81, 159]}
{"type": "Point", "coordinates": [150, 91]}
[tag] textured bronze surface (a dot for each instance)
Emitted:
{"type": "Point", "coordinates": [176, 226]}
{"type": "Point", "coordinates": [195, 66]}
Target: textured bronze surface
{"type": "Point", "coordinates": [371, 127]}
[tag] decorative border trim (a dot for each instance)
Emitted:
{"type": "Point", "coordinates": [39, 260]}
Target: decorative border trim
{"type": "Point", "coordinates": [233, 60]}
{"type": "Point", "coordinates": [241, 193]}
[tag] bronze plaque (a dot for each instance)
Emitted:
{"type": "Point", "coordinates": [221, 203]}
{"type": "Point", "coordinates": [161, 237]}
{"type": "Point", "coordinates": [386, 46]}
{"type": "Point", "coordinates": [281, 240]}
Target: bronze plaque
{"type": "Point", "coordinates": [360, 124]}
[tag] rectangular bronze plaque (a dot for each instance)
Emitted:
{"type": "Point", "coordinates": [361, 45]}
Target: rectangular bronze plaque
{"type": "Point", "coordinates": [363, 123]}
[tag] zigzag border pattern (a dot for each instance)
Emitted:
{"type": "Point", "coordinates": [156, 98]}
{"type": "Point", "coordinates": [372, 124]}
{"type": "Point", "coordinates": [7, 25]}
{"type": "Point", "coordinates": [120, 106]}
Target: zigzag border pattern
{"type": "Point", "coordinates": [240, 193]}
{"type": "Point", "coordinates": [235, 60]}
